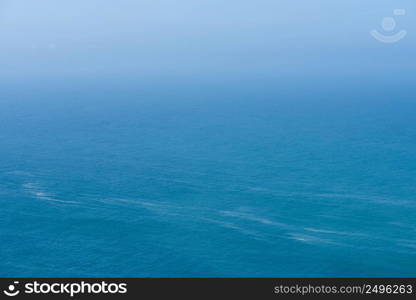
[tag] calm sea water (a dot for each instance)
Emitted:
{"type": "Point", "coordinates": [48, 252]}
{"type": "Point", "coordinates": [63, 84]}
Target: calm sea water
{"type": "Point", "coordinates": [207, 181]}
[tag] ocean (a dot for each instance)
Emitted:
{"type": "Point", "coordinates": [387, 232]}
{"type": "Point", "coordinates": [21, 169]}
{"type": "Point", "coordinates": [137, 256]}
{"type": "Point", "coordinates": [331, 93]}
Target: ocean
{"type": "Point", "coordinates": [205, 179]}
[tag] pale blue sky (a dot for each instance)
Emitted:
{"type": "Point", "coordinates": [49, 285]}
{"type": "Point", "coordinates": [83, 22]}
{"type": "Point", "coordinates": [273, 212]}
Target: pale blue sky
{"type": "Point", "coordinates": [93, 38]}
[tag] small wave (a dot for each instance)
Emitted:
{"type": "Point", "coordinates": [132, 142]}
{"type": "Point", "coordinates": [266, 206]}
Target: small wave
{"type": "Point", "coordinates": [410, 245]}
{"type": "Point", "coordinates": [403, 225]}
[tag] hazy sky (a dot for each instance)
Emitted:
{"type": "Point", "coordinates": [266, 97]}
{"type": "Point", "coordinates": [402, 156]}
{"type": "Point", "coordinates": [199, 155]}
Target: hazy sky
{"type": "Point", "coordinates": [77, 38]}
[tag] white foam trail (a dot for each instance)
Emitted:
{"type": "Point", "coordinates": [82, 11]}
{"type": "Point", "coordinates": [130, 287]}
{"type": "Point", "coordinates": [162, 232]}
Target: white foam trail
{"type": "Point", "coordinates": [36, 191]}
{"type": "Point", "coordinates": [310, 229]}
{"type": "Point", "coordinates": [19, 173]}
{"type": "Point", "coordinates": [374, 199]}
{"type": "Point", "coordinates": [253, 218]}
{"type": "Point", "coordinates": [230, 225]}
{"type": "Point", "coordinates": [305, 238]}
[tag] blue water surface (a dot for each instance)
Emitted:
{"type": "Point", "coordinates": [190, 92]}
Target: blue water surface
{"type": "Point", "coordinates": [207, 180]}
